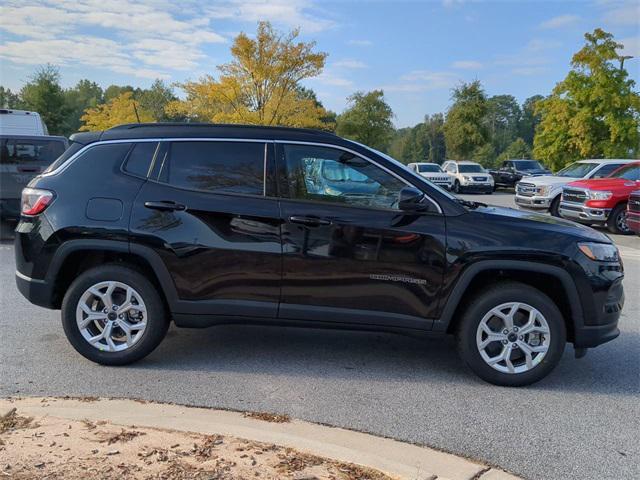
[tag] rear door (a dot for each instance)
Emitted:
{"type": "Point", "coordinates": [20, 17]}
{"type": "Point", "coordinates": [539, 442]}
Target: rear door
{"type": "Point", "coordinates": [209, 212]}
{"type": "Point", "coordinates": [349, 254]}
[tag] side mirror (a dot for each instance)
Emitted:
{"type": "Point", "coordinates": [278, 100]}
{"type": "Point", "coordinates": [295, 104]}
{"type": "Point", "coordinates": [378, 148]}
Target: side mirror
{"type": "Point", "coordinates": [410, 200]}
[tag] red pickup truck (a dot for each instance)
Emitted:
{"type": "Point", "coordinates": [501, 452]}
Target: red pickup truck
{"type": "Point", "coordinates": [633, 212]}
{"type": "Point", "coordinates": [602, 201]}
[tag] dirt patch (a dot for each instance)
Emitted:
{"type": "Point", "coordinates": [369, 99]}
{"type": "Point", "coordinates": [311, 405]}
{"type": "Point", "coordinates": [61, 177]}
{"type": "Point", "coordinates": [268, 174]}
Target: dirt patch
{"type": "Point", "coordinates": [63, 449]}
{"type": "Point", "coordinates": [268, 417]}
{"type": "Point", "coordinates": [12, 421]}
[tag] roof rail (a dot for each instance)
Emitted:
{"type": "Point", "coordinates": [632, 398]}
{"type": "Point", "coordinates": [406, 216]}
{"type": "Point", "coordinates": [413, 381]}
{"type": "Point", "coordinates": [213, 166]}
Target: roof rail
{"type": "Point", "coordinates": [131, 126]}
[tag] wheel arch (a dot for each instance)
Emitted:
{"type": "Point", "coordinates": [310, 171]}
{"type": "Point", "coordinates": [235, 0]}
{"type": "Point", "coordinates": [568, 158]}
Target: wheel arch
{"type": "Point", "coordinates": [554, 281]}
{"type": "Point", "coordinates": [75, 256]}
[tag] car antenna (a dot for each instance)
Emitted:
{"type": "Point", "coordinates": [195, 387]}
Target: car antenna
{"type": "Point", "coordinates": [135, 110]}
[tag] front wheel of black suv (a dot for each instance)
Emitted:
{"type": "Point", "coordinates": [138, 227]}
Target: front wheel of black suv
{"type": "Point", "coordinates": [113, 315]}
{"type": "Point", "coordinates": [511, 334]}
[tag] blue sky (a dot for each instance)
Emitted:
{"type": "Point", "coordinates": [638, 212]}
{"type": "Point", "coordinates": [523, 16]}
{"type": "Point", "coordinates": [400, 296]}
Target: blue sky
{"type": "Point", "coordinates": [415, 51]}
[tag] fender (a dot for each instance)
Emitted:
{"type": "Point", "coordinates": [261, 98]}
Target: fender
{"type": "Point", "coordinates": [151, 257]}
{"type": "Point", "coordinates": [470, 273]}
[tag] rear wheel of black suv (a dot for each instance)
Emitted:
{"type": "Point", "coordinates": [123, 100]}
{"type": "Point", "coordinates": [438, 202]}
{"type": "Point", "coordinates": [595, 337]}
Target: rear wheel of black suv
{"type": "Point", "coordinates": [113, 315]}
{"type": "Point", "coordinates": [511, 334]}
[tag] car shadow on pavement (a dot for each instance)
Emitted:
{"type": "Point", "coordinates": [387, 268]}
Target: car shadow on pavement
{"type": "Point", "coordinates": [384, 357]}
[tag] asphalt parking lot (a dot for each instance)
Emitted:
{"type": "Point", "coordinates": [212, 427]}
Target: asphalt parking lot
{"type": "Point", "coordinates": [580, 422]}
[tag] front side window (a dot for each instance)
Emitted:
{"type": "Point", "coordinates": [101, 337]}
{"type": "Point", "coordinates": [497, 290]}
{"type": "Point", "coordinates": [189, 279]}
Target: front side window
{"type": "Point", "coordinates": [630, 172]}
{"type": "Point", "coordinates": [607, 170]}
{"type": "Point", "coordinates": [220, 167]}
{"type": "Point", "coordinates": [333, 175]}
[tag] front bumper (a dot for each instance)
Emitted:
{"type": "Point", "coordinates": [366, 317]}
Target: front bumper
{"type": "Point", "coordinates": [534, 202]}
{"type": "Point", "coordinates": [583, 214]}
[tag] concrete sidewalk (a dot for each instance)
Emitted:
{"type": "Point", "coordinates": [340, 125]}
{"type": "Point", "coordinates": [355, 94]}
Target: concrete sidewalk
{"type": "Point", "coordinates": [395, 458]}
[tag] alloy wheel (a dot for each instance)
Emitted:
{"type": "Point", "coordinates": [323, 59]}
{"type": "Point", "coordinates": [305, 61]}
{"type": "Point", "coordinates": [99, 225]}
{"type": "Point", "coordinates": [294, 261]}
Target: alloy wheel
{"type": "Point", "coordinates": [513, 337]}
{"type": "Point", "coordinates": [111, 316]}
{"type": "Point", "coordinates": [621, 222]}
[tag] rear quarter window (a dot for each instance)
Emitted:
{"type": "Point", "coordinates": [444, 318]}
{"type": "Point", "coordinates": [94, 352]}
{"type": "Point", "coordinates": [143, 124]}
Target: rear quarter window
{"type": "Point", "coordinates": [139, 158]}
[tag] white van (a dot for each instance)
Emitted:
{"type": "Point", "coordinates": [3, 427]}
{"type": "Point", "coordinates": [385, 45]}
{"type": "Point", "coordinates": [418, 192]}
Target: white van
{"type": "Point", "coordinates": [21, 122]}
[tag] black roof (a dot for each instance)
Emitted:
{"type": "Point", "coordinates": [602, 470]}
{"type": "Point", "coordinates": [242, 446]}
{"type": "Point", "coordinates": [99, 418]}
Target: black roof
{"type": "Point", "coordinates": [205, 130]}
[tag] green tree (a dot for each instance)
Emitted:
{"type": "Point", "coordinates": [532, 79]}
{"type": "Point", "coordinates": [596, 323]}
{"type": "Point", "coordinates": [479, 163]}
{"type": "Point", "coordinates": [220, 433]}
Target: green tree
{"type": "Point", "coordinates": [329, 118]}
{"type": "Point", "coordinates": [367, 120]}
{"type": "Point", "coordinates": [593, 112]}
{"type": "Point", "coordinates": [43, 94]}
{"type": "Point", "coordinates": [465, 129]}
{"type": "Point", "coordinates": [86, 94]}
{"type": "Point", "coordinates": [503, 117]}
{"type": "Point", "coordinates": [485, 155]}
{"type": "Point", "coordinates": [260, 85]}
{"type": "Point", "coordinates": [529, 119]}
{"type": "Point", "coordinates": [8, 99]}
{"type": "Point", "coordinates": [113, 91]}
{"type": "Point", "coordinates": [155, 100]}
{"type": "Point", "coordinates": [517, 149]}
{"type": "Point", "coordinates": [434, 132]}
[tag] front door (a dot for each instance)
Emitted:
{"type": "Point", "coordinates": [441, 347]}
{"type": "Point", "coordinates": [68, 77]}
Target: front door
{"type": "Point", "coordinates": [208, 212]}
{"type": "Point", "coordinates": [349, 254]}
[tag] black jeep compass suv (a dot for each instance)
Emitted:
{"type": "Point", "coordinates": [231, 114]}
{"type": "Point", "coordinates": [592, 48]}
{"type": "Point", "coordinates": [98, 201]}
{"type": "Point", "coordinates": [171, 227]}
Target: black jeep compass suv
{"type": "Point", "coordinates": [209, 224]}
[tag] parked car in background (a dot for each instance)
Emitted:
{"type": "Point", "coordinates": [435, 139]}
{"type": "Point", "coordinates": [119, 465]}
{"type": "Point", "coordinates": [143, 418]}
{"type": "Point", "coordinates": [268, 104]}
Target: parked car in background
{"type": "Point", "coordinates": [469, 177]}
{"type": "Point", "coordinates": [543, 193]}
{"type": "Point", "coordinates": [432, 172]}
{"type": "Point", "coordinates": [512, 171]}
{"type": "Point", "coordinates": [602, 201]}
{"type": "Point", "coordinates": [21, 122]}
{"type": "Point", "coordinates": [633, 212]}
{"type": "Point", "coordinates": [203, 225]}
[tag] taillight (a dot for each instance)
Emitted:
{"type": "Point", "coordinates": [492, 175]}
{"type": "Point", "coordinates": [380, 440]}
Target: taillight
{"type": "Point", "coordinates": [35, 200]}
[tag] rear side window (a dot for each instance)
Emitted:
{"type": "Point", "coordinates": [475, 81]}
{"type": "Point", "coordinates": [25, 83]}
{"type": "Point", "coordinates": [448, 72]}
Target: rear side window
{"type": "Point", "coordinates": [140, 157]}
{"type": "Point", "coordinates": [221, 167]}
{"type": "Point", "coordinates": [30, 151]}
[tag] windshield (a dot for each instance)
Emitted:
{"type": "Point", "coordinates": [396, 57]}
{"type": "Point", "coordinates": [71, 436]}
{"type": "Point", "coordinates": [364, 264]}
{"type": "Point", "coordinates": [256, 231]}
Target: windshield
{"type": "Point", "coordinates": [470, 168]}
{"type": "Point", "coordinates": [429, 167]}
{"type": "Point", "coordinates": [528, 165]}
{"type": "Point", "coordinates": [39, 152]}
{"type": "Point", "coordinates": [577, 170]}
{"type": "Point", "coordinates": [629, 172]}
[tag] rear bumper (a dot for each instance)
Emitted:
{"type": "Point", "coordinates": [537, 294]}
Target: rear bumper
{"type": "Point", "coordinates": [582, 213]}
{"type": "Point", "coordinates": [10, 208]}
{"type": "Point", "coordinates": [38, 292]}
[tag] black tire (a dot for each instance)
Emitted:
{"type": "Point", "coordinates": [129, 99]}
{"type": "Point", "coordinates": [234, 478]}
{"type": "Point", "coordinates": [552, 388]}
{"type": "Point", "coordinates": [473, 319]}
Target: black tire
{"type": "Point", "coordinates": [554, 208]}
{"type": "Point", "coordinates": [456, 187]}
{"type": "Point", "coordinates": [617, 221]}
{"type": "Point", "coordinates": [491, 297]}
{"type": "Point", "coordinates": [157, 319]}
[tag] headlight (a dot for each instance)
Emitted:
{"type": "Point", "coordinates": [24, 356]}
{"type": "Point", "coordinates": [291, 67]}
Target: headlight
{"type": "Point", "coordinates": [544, 191]}
{"type": "Point", "coordinates": [600, 252]}
{"type": "Point", "coordinates": [467, 178]}
{"type": "Point", "coordinates": [599, 195]}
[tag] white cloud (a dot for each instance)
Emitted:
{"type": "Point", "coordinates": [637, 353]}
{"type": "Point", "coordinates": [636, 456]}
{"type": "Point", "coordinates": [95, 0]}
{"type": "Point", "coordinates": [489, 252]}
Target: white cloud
{"type": "Point", "coordinates": [631, 46]}
{"type": "Point", "coordinates": [331, 79]}
{"type": "Point", "coordinates": [292, 13]}
{"type": "Point", "coordinates": [467, 65]}
{"type": "Point", "coordinates": [360, 43]}
{"type": "Point", "coordinates": [144, 38]}
{"type": "Point", "coordinates": [623, 15]}
{"type": "Point", "coordinates": [560, 21]}
{"type": "Point", "coordinates": [348, 63]}
{"type": "Point", "coordinates": [423, 80]}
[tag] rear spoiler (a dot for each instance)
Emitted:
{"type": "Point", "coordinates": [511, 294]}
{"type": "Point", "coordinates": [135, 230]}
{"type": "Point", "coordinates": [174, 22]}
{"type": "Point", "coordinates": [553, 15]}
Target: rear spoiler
{"type": "Point", "coordinates": [85, 138]}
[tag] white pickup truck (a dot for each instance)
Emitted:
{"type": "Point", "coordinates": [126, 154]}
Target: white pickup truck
{"type": "Point", "coordinates": [543, 193]}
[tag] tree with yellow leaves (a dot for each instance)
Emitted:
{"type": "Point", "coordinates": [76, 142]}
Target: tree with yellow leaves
{"type": "Point", "coordinates": [261, 86]}
{"type": "Point", "coordinates": [121, 109]}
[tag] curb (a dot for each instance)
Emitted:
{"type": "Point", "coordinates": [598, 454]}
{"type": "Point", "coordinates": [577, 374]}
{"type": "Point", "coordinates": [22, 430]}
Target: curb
{"type": "Point", "coordinates": [397, 459]}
